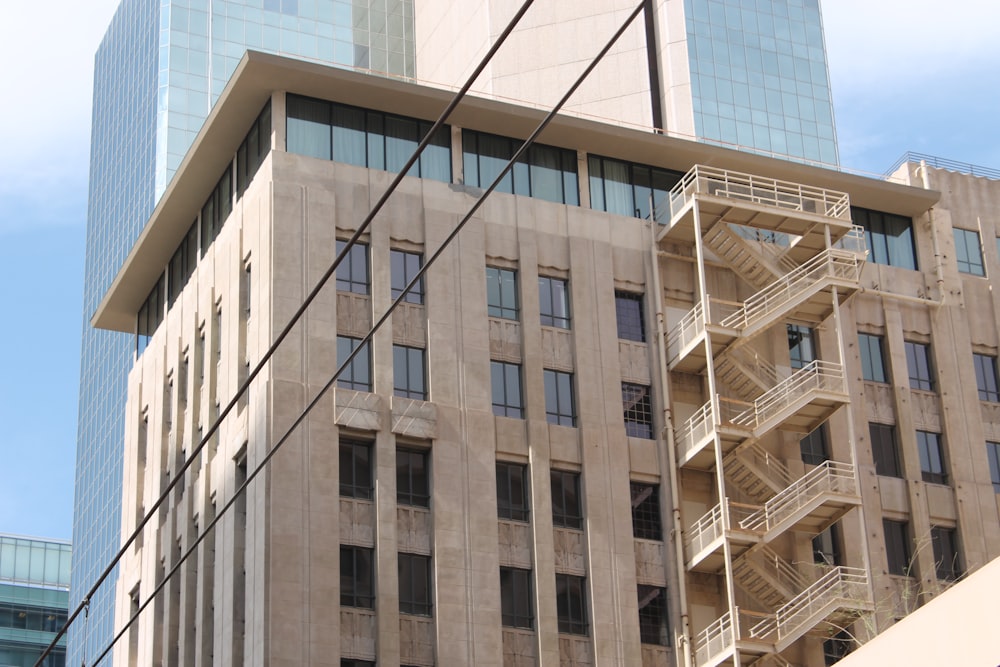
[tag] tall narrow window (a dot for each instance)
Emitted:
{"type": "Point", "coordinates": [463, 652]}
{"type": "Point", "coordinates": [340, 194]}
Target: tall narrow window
{"type": "Point", "coordinates": [813, 447]}
{"type": "Point", "coordinates": [515, 598]}
{"type": "Point", "coordinates": [946, 559]}
{"type": "Point", "coordinates": [918, 362]}
{"type": "Point", "coordinates": [897, 547]}
{"type": "Point", "coordinates": [553, 302]}
{"type": "Point", "coordinates": [409, 372]}
{"type": "Point", "coordinates": [637, 410]}
{"type": "Point", "coordinates": [571, 604]}
{"type": "Point", "coordinates": [505, 380]}
{"type": "Point", "coordinates": [501, 293]}
{"type": "Point", "coordinates": [931, 457]}
{"type": "Point", "coordinates": [986, 377]}
{"type": "Point", "coordinates": [801, 346]}
{"type": "Point", "coordinates": [646, 523]}
{"type": "Point", "coordinates": [559, 405]}
{"type": "Point", "coordinates": [352, 274]}
{"type": "Point", "coordinates": [628, 313]}
{"type": "Point", "coordinates": [512, 491]}
{"type": "Point", "coordinates": [653, 625]}
{"type": "Point", "coordinates": [826, 547]}
{"type": "Point", "coordinates": [626, 188]}
{"type": "Point", "coordinates": [872, 358]}
{"type": "Point", "coordinates": [355, 469]}
{"type": "Point", "coordinates": [357, 577]}
{"type": "Point", "coordinates": [968, 252]}
{"type": "Point", "coordinates": [412, 478]}
{"type": "Point", "coordinates": [885, 449]}
{"type": "Point", "coordinates": [415, 590]}
{"type": "Point", "coordinates": [404, 267]}
{"type": "Point", "coordinates": [357, 375]}
{"type": "Point", "coordinates": [837, 647]}
{"type": "Point", "coordinates": [567, 510]}
{"type": "Point", "coordinates": [993, 457]}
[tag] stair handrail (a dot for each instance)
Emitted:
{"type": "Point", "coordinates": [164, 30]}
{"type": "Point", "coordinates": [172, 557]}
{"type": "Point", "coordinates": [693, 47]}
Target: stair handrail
{"type": "Point", "coordinates": [846, 583]}
{"type": "Point", "coordinates": [686, 330]}
{"type": "Point", "coordinates": [784, 571]}
{"type": "Point", "coordinates": [829, 476]}
{"type": "Point", "coordinates": [752, 360]}
{"type": "Point", "coordinates": [831, 263]}
{"type": "Point", "coordinates": [764, 460]}
{"type": "Point", "coordinates": [817, 375]}
{"type": "Point", "coordinates": [716, 638]}
{"type": "Point", "coordinates": [854, 241]}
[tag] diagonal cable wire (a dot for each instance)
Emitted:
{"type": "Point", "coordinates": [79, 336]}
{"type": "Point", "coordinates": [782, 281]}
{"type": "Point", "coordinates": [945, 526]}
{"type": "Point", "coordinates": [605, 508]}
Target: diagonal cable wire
{"type": "Point", "coordinates": [376, 209]}
{"type": "Point", "coordinates": [385, 316]}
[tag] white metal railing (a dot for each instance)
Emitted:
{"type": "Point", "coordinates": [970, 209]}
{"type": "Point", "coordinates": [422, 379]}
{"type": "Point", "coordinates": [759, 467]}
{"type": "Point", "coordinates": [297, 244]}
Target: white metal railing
{"type": "Point", "coordinates": [703, 422]}
{"type": "Point", "coordinates": [717, 638]}
{"type": "Point", "coordinates": [854, 241]}
{"type": "Point", "coordinates": [764, 371]}
{"type": "Point", "coordinates": [714, 524]}
{"type": "Point", "coordinates": [831, 263]}
{"type": "Point", "coordinates": [828, 477]}
{"type": "Point", "coordinates": [760, 459]}
{"type": "Point", "coordinates": [817, 375]}
{"type": "Point", "coordinates": [773, 246]}
{"type": "Point", "coordinates": [847, 584]}
{"type": "Point", "coordinates": [692, 325]}
{"type": "Point", "coordinates": [770, 660]}
{"type": "Point", "coordinates": [758, 190]}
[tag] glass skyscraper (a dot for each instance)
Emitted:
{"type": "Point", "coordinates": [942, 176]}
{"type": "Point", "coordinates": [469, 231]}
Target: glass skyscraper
{"type": "Point", "coordinates": [759, 77]}
{"type": "Point", "coordinates": [161, 66]}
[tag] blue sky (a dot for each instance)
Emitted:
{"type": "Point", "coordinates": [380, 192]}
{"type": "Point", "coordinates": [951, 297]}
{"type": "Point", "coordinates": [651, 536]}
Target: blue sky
{"type": "Point", "coordinates": [905, 77]}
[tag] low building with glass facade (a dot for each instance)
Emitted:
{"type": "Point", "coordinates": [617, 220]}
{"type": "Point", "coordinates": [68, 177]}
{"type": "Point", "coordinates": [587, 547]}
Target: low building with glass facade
{"type": "Point", "coordinates": [34, 598]}
{"type": "Point", "coordinates": [660, 402]}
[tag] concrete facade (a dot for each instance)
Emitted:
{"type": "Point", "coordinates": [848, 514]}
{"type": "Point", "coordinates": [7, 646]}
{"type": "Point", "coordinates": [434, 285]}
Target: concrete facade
{"type": "Point", "coordinates": [263, 588]}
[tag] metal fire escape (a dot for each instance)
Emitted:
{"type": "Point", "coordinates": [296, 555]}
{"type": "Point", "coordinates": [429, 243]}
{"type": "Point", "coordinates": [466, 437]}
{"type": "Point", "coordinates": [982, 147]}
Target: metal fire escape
{"type": "Point", "coordinates": [796, 246]}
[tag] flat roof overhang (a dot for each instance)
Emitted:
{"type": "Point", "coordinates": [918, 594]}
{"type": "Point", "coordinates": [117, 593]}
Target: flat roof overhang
{"type": "Point", "coordinates": [259, 75]}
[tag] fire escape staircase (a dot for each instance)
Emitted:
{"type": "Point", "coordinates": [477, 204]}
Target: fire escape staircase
{"type": "Point", "coordinates": [794, 244]}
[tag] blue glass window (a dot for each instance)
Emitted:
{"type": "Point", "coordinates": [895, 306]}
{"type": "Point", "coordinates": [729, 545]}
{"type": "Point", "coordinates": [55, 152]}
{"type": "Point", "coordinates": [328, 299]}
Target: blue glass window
{"type": "Point", "coordinates": [968, 253]}
{"type": "Point", "coordinates": [626, 188]}
{"type": "Point", "coordinates": [372, 139]}
{"type": "Point", "coordinates": [544, 172]}
{"type": "Point", "coordinates": [889, 237]}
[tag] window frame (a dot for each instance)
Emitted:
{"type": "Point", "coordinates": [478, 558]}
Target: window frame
{"type": "Point", "coordinates": [947, 557]}
{"type": "Point", "coordinates": [919, 365]}
{"type": "Point", "coordinates": [888, 236]}
{"type": "Point", "coordinates": [526, 176]}
{"type": "Point", "coordinates": [509, 372]}
{"type": "Point", "coordinates": [349, 274]}
{"type": "Point", "coordinates": [353, 573]}
{"type": "Point", "coordinates": [885, 455]}
{"type": "Point", "coordinates": [409, 372]}
{"type": "Point", "coordinates": [357, 375]}
{"type": "Point", "coordinates": [501, 289]}
{"type": "Point", "coordinates": [516, 598]}
{"type": "Point", "coordinates": [968, 241]}
{"type": "Point", "coordinates": [654, 619]}
{"type": "Point", "coordinates": [567, 502]}
{"type": "Point", "coordinates": [363, 488]}
{"type": "Point", "coordinates": [898, 550]}
{"type": "Point", "coordinates": [551, 291]}
{"type": "Point", "coordinates": [987, 383]}
{"type": "Point", "coordinates": [413, 487]}
{"type": "Point", "coordinates": [814, 447]}
{"type": "Point", "coordinates": [993, 460]}
{"type": "Point", "coordinates": [404, 265]}
{"type": "Point", "coordinates": [415, 570]}
{"type": "Point", "coordinates": [560, 399]}
{"type": "Point", "coordinates": [827, 547]}
{"type": "Point", "coordinates": [869, 344]}
{"type": "Point", "coordinates": [647, 521]}
{"type": "Point", "coordinates": [508, 508]}
{"type": "Point", "coordinates": [571, 604]}
{"type": "Point", "coordinates": [658, 181]}
{"type": "Point", "coordinates": [637, 410]}
{"type": "Point", "coordinates": [932, 465]}
{"type": "Point", "coordinates": [801, 344]}
{"type": "Point", "coordinates": [631, 325]}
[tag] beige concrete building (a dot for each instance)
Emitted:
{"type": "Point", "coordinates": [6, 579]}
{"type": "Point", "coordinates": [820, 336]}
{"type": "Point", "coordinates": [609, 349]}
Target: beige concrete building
{"type": "Point", "coordinates": [721, 434]}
